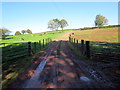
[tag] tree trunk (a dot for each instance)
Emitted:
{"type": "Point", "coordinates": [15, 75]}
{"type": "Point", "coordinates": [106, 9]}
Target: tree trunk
{"type": "Point", "coordinates": [62, 29]}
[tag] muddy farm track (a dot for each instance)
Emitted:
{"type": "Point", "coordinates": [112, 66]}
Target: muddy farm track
{"type": "Point", "coordinates": [62, 71]}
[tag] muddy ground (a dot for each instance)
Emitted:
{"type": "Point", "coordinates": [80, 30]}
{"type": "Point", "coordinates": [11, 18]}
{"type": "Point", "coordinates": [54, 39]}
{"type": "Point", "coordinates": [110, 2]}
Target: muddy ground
{"type": "Point", "coordinates": [67, 71]}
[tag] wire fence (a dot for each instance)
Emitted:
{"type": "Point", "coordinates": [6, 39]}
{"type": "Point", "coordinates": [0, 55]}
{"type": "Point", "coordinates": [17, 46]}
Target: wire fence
{"type": "Point", "coordinates": [97, 50]}
{"type": "Point", "coordinates": [17, 50]}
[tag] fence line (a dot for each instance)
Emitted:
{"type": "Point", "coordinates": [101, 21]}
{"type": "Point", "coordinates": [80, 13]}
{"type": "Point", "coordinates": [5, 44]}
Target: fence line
{"type": "Point", "coordinates": [23, 49]}
{"type": "Point", "coordinates": [85, 46]}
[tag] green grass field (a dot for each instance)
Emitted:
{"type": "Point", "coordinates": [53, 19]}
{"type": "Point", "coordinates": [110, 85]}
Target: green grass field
{"type": "Point", "coordinates": [34, 37]}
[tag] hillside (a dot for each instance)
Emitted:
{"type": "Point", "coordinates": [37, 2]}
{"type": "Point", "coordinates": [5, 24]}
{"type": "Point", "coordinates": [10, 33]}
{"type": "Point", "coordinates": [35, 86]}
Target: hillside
{"type": "Point", "coordinates": [103, 35]}
{"type": "Point", "coordinates": [34, 37]}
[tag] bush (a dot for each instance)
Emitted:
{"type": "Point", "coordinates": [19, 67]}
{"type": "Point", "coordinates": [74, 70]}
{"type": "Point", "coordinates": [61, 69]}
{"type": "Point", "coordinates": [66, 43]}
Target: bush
{"type": "Point", "coordinates": [17, 33]}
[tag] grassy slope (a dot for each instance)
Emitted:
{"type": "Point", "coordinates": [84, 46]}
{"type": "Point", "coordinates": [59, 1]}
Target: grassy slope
{"type": "Point", "coordinates": [105, 35]}
{"type": "Point", "coordinates": [34, 37]}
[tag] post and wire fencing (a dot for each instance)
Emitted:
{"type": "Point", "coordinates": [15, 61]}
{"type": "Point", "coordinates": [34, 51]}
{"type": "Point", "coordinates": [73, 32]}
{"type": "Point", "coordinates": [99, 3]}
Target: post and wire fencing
{"type": "Point", "coordinates": [17, 50]}
{"type": "Point", "coordinates": [83, 46]}
{"type": "Point", "coordinates": [96, 50]}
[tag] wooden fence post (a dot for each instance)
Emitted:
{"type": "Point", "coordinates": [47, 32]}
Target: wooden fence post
{"type": "Point", "coordinates": [82, 46]}
{"type": "Point", "coordinates": [77, 43]}
{"type": "Point", "coordinates": [35, 46]}
{"type": "Point", "coordinates": [50, 40]}
{"type": "Point", "coordinates": [29, 49]}
{"type": "Point", "coordinates": [47, 40]}
{"type": "Point", "coordinates": [69, 39]}
{"type": "Point", "coordinates": [4, 44]}
{"type": "Point", "coordinates": [43, 43]}
{"type": "Point", "coordinates": [74, 41]}
{"type": "Point", "coordinates": [40, 43]}
{"type": "Point", "coordinates": [87, 51]}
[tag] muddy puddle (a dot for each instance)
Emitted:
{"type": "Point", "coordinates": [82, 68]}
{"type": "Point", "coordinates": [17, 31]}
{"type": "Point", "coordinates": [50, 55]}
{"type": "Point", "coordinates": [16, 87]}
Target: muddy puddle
{"type": "Point", "coordinates": [33, 82]}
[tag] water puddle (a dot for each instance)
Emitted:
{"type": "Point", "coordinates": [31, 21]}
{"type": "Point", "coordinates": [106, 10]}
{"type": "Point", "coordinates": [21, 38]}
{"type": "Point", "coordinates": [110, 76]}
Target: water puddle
{"type": "Point", "coordinates": [83, 78]}
{"type": "Point", "coordinates": [33, 82]}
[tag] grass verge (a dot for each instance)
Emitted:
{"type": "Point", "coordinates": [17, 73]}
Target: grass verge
{"type": "Point", "coordinates": [58, 48]}
{"type": "Point", "coordinates": [77, 52]}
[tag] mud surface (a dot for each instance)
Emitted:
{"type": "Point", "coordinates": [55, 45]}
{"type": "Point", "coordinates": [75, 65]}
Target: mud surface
{"type": "Point", "coordinates": [65, 71]}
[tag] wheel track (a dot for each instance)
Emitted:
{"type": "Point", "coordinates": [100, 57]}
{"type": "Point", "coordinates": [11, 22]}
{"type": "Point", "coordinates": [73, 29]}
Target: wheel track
{"type": "Point", "coordinates": [98, 78]}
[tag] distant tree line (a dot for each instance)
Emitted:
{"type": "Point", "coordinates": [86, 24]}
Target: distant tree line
{"type": "Point", "coordinates": [23, 32]}
{"type": "Point", "coordinates": [5, 31]}
{"type": "Point", "coordinates": [87, 28]}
